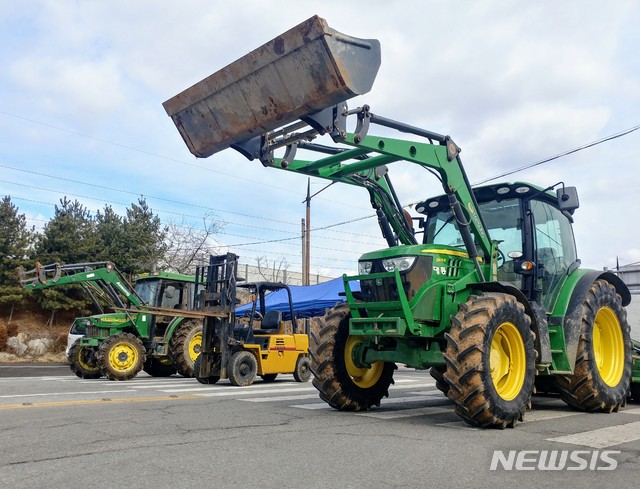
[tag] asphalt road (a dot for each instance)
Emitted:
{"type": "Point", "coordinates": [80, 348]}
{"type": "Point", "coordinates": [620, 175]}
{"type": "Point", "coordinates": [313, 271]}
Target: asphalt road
{"type": "Point", "coordinates": [60, 431]}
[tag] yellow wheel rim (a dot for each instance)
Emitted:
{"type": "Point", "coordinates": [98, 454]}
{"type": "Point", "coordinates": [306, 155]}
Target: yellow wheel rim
{"type": "Point", "coordinates": [123, 357]}
{"type": "Point", "coordinates": [507, 361]}
{"type": "Point", "coordinates": [362, 377]}
{"type": "Point", "coordinates": [195, 345]}
{"type": "Point", "coordinates": [608, 346]}
{"type": "Point", "coordinates": [82, 363]}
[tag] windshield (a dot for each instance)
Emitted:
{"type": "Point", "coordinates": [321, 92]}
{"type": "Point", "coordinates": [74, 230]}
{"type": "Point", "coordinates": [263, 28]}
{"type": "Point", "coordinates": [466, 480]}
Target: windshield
{"type": "Point", "coordinates": [147, 290]}
{"type": "Point", "coordinates": [501, 218]}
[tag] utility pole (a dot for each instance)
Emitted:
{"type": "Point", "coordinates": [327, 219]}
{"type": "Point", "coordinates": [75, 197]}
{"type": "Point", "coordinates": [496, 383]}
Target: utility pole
{"type": "Point", "coordinates": [303, 235]}
{"type": "Point", "coordinates": [307, 255]}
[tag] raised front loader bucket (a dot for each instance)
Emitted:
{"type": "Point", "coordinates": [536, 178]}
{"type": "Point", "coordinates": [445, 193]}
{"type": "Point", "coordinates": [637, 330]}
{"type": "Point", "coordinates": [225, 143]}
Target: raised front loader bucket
{"type": "Point", "coordinates": [306, 69]}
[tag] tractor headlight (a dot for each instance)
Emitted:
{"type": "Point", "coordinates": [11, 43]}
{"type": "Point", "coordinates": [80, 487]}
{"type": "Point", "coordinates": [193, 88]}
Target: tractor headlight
{"type": "Point", "coordinates": [364, 267]}
{"type": "Point", "coordinates": [402, 263]}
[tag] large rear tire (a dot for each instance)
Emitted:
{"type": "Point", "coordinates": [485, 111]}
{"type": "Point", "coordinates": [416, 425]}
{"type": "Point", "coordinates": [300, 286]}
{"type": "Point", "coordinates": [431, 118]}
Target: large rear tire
{"type": "Point", "coordinates": [343, 385]}
{"type": "Point", "coordinates": [82, 361]}
{"type": "Point", "coordinates": [185, 346]}
{"type": "Point", "coordinates": [602, 373]}
{"type": "Point", "coordinates": [243, 368]}
{"type": "Point", "coordinates": [157, 367]}
{"type": "Point", "coordinates": [490, 360]}
{"type": "Point", "coordinates": [121, 356]}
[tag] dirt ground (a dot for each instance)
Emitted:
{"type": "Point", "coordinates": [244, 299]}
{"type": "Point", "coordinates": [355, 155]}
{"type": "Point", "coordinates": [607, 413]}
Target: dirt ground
{"type": "Point", "coordinates": [32, 322]}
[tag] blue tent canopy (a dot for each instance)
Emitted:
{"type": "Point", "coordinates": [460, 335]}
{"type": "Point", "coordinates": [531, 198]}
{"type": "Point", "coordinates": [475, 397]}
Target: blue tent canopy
{"type": "Point", "coordinates": [308, 301]}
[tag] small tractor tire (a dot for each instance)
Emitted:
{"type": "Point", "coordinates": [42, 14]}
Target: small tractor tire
{"type": "Point", "coordinates": [184, 346]}
{"type": "Point", "coordinates": [490, 359]}
{"type": "Point", "coordinates": [157, 367]}
{"type": "Point", "coordinates": [602, 373]}
{"type": "Point", "coordinates": [242, 368]}
{"type": "Point", "coordinates": [269, 377]}
{"type": "Point", "coordinates": [438, 375]}
{"type": "Point", "coordinates": [302, 373]}
{"type": "Point", "coordinates": [121, 356]}
{"type": "Point", "coordinates": [343, 385]}
{"type": "Point", "coordinates": [82, 361]}
{"type": "Point", "coordinates": [212, 379]}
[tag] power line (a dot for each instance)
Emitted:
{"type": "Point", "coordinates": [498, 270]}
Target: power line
{"type": "Point", "coordinates": [560, 155]}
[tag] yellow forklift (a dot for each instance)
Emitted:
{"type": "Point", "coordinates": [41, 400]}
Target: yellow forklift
{"type": "Point", "coordinates": [258, 343]}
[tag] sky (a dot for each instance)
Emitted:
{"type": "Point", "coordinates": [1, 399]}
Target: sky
{"type": "Point", "coordinates": [82, 85]}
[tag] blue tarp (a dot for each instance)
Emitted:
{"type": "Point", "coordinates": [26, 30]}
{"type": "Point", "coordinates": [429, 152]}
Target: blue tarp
{"type": "Point", "coordinates": [308, 301]}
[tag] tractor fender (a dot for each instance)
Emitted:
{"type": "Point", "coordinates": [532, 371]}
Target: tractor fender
{"type": "Point", "coordinates": [539, 324]}
{"type": "Point", "coordinates": [172, 326]}
{"type": "Point", "coordinates": [572, 323]}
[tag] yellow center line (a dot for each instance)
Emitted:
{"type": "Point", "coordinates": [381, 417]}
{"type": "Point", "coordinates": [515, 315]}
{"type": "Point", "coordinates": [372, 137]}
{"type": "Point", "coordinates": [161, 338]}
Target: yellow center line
{"type": "Point", "coordinates": [86, 402]}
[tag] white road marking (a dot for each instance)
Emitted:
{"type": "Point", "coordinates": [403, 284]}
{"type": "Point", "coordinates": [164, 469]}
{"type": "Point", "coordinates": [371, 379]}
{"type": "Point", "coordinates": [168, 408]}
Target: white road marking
{"type": "Point", "coordinates": [603, 437]}
{"type": "Point", "coordinates": [384, 402]}
{"type": "Point", "coordinates": [405, 413]}
{"type": "Point", "coordinates": [282, 398]}
{"type": "Point", "coordinates": [14, 396]}
{"type": "Point", "coordinates": [241, 391]}
{"type": "Point", "coordinates": [460, 425]}
{"type": "Point", "coordinates": [545, 414]}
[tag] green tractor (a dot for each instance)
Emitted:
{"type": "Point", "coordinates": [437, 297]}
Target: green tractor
{"type": "Point", "coordinates": [487, 292]}
{"type": "Point", "coordinates": [151, 326]}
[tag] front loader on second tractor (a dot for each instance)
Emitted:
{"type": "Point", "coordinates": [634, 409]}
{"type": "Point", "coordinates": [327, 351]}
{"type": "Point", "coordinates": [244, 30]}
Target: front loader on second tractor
{"type": "Point", "coordinates": [491, 297]}
{"type": "Point", "coordinates": [150, 326]}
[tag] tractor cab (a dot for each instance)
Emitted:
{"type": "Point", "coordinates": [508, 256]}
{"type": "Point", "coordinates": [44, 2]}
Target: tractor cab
{"type": "Point", "coordinates": [533, 227]}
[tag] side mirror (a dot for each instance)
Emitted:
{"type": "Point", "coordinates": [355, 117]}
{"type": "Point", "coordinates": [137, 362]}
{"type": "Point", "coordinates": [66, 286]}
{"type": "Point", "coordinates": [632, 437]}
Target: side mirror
{"type": "Point", "coordinates": [169, 291]}
{"type": "Point", "coordinates": [568, 199]}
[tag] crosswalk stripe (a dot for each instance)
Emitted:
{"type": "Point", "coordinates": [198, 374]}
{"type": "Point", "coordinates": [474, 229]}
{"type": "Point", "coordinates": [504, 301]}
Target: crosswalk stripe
{"type": "Point", "coordinates": [603, 437]}
{"type": "Point", "coordinates": [385, 402]}
{"type": "Point", "coordinates": [405, 413]}
{"type": "Point", "coordinates": [282, 398]}
{"type": "Point", "coordinates": [157, 386]}
{"type": "Point", "coordinates": [239, 391]}
{"type": "Point", "coordinates": [546, 414]}
{"type": "Point", "coordinates": [460, 425]}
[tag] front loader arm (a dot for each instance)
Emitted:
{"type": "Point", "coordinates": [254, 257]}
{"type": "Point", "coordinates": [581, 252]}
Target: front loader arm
{"type": "Point", "coordinates": [293, 89]}
{"type": "Point", "coordinates": [99, 280]}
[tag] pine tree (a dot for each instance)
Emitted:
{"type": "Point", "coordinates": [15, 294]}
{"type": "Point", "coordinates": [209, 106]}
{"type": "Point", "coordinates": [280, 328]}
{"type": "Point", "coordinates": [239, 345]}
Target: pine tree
{"type": "Point", "coordinates": [69, 237]}
{"type": "Point", "coordinates": [110, 236]}
{"type": "Point", "coordinates": [15, 240]}
{"type": "Point", "coordinates": [145, 238]}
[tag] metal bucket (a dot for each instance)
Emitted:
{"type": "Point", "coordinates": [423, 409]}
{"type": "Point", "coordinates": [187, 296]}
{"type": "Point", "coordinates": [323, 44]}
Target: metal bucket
{"type": "Point", "coordinates": [306, 69]}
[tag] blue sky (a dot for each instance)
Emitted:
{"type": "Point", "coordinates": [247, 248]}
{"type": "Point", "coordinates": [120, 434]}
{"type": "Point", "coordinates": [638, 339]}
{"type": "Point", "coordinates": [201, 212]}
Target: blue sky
{"type": "Point", "coordinates": [82, 87]}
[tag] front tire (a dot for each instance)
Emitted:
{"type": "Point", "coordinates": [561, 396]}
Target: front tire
{"type": "Point", "coordinates": [490, 360]}
{"type": "Point", "coordinates": [242, 369]}
{"type": "Point", "coordinates": [185, 346]}
{"type": "Point", "coordinates": [121, 356]}
{"type": "Point", "coordinates": [341, 384]}
{"type": "Point", "coordinates": [212, 379]}
{"type": "Point", "coordinates": [82, 361]}
{"type": "Point", "coordinates": [602, 373]}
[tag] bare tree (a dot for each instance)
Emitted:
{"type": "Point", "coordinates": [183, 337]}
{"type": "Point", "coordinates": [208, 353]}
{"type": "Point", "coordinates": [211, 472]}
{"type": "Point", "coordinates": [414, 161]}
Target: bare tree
{"type": "Point", "coordinates": [274, 272]}
{"type": "Point", "coordinates": [189, 245]}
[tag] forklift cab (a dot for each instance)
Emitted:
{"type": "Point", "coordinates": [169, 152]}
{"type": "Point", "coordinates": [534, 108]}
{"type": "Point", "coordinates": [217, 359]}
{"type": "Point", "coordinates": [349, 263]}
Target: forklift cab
{"type": "Point", "coordinates": [261, 319]}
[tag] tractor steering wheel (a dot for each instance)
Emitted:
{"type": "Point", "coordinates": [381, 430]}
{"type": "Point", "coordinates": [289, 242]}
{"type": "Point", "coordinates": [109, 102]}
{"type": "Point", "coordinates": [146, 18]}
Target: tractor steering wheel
{"type": "Point", "coordinates": [501, 258]}
{"type": "Point", "coordinates": [257, 316]}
